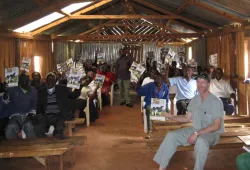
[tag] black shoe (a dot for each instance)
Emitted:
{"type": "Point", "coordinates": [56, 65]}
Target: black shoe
{"type": "Point", "coordinates": [60, 136]}
{"type": "Point", "coordinates": [129, 105]}
{"type": "Point", "coordinates": [122, 103]}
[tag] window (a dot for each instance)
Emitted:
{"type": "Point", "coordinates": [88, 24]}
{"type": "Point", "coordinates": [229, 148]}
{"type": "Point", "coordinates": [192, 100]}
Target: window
{"type": "Point", "coordinates": [40, 22]}
{"type": "Point", "coordinates": [74, 7]}
{"type": "Point", "coordinates": [190, 53]}
{"type": "Point", "coordinates": [37, 64]}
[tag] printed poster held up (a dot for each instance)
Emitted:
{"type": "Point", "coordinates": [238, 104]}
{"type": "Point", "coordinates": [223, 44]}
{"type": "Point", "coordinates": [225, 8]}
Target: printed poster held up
{"type": "Point", "coordinates": [136, 71]}
{"type": "Point", "coordinates": [11, 76]}
{"type": "Point", "coordinates": [74, 78]}
{"type": "Point", "coordinates": [213, 60]}
{"type": "Point", "coordinates": [99, 79]}
{"type": "Point", "coordinates": [158, 106]}
{"type": "Point", "coordinates": [25, 64]}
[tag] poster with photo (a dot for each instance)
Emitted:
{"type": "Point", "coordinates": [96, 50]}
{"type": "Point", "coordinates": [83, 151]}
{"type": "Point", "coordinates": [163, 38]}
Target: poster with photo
{"type": "Point", "coordinates": [11, 76]}
{"type": "Point", "coordinates": [213, 60]}
{"type": "Point", "coordinates": [99, 79]}
{"type": "Point", "coordinates": [70, 63]}
{"type": "Point", "coordinates": [74, 78]}
{"type": "Point", "coordinates": [158, 106]}
{"type": "Point", "coordinates": [25, 64]}
{"type": "Point", "coordinates": [100, 58]}
{"type": "Point", "coordinates": [136, 71]}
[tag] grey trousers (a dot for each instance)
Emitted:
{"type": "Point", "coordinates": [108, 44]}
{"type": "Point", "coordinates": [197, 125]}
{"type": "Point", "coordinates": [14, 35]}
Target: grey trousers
{"type": "Point", "coordinates": [179, 138]}
{"type": "Point", "coordinates": [124, 86]}
{"type": "Point", "coordinates": [16, 124]}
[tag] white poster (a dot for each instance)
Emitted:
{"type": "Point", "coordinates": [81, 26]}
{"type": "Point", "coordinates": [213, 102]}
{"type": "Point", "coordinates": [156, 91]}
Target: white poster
{"type": "Point", "coordinates": [11, 76]}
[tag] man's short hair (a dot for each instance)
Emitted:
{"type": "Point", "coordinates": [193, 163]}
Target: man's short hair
{"type": "Point", "coordinates": [204, 76]}
{"type": "Point", "coordinates": [23, 76]}
{"type": "Point", "coordinates": [50, 74]}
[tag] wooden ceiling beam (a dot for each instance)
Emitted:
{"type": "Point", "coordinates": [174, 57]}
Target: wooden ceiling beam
{"type": "Point", "coordinates": [196, 23]}
{"type": "Point", "coordinates": [43, 11]}
{"type": "Point", "coordinates": [123, 17]}
{"type": "Point", "coordinates": [217, 11]}
{"type": "Point", "coordinates": [24, 36]}
{"type": "Point", "coordinates": [130, 36]}
{"type": "Point", "coordinates": [62, 20]}
{"type": "Point", "coordinates": [96, 28]}
{"type": "Point", "coordinates": [182, 7]}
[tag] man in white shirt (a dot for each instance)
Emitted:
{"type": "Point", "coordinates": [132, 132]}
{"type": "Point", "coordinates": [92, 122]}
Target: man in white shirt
{"type": "Point", "coordinates": [186, 89]}
{"type": "Point", "coordinates": [224, 91]}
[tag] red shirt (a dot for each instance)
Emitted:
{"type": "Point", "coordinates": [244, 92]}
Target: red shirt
{"type": "Point", "coordinates": [109, 77]}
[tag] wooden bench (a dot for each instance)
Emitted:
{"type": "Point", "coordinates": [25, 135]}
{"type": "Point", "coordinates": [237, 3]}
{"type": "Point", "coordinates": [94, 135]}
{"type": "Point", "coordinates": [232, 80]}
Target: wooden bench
{"type": "Point", "coordinates": [224, 143]}
{"type": "Point", "coordinates": [41, 149]}
{"type": "Point", "coordinates": [71, 124]}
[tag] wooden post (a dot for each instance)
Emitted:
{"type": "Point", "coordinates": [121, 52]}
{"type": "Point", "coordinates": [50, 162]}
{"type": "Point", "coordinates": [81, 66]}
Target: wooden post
{"type": "Point", "coordinates": [61, 162]}
{"type": "Point", "coordinates": [70, 129]}
{"type": "Point", "coordinates": [171, 97]}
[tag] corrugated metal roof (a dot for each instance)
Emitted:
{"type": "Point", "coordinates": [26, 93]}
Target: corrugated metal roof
{"type": "Point", "coordinates": [10, 9]}
{"type": "Point", "coordinates": [240, 7]}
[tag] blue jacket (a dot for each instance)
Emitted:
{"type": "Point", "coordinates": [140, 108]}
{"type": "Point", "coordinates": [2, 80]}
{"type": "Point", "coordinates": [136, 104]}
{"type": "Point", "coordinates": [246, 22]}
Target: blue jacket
{"type": "Point", "coordinates": [4, 109]}
{"type": "Point", "coordinates": [20, 102]}
{"type": "Point", "coordinates": [150, 91]}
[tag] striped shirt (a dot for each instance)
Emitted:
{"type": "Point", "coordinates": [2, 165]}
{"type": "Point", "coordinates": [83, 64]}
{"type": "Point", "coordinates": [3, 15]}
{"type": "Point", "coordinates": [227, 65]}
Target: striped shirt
{"type": "Point", "coordinates": [52, 107]}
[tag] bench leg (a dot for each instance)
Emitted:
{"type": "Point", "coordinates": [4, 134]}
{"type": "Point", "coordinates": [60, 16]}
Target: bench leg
{"type": "Point", "coordinates": [73, 156]}
{"type": "Point", "coordinates": [61, 162]}
{"type": "Point", "coordinates": [47, 167]}
{"type": "Point", "coordinates": [70, 129]}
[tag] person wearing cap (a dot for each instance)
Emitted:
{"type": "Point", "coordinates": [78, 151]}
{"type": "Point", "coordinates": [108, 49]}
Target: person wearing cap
{"type": "Point", "coordinates": [123, 74]}
{"type": "Point", "coordinates": [186, 89]}
{"type": "Point", "coordinates": [22, 101]}
{"type": "Point", "coordinates": [54, 106]}
{"type": "Point", "coordinates": [224, 91]}
{"type": "Point", "coordinates": [207, 125]}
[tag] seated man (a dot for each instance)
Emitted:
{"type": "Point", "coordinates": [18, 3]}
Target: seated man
{"type": "Point", "coordinates": [243, 162]}
{"type": "Point", "coordinates": [208, 124]}
{"type": "Point", "coordinates": [89, 91]}
{"type": "Point", "coordinates": [54, 105]}
{"type": "Point", "coordinates": [157, 89]}
{"type": "Point", "coordinates": [22, 101]}
{"type": "Point", "coordinates": [186, 89]}
{"type": "Point", "coordinates": [108, 82]}
{"type": "Point", "coordinates": [224, 91]}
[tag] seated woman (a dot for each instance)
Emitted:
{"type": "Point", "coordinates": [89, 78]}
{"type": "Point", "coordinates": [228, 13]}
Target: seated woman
{"type": "Point", "coordinates": [109, 80]}
{"type": "Point", "coordinates": [89, 90]}
{"type": "Point", "coordinates": [157, 89]}
{"type": "Point", "coordinates": [36, 81]}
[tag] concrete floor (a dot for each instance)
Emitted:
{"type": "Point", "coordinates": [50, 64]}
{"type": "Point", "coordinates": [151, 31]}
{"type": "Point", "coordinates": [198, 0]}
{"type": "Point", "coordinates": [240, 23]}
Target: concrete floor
{"type": "Point", "coordinates": [115, 142]}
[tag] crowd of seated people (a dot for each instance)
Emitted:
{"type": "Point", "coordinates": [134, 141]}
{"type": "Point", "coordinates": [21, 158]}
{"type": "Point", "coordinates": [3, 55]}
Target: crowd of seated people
{"type": "Point", "coordinates": [35, 105]}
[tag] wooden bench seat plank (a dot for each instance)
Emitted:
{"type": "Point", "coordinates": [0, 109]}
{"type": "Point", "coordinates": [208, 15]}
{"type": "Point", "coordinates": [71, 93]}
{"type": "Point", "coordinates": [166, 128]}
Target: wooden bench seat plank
{"type": "Point", "coordinates": [75, 121]}
{"type": "Point", "coordinates": [76, 140]}
{"type": "Point", "coordinates": [224, 143]}
{"type": "Point", "coordinates": [38, 147]}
